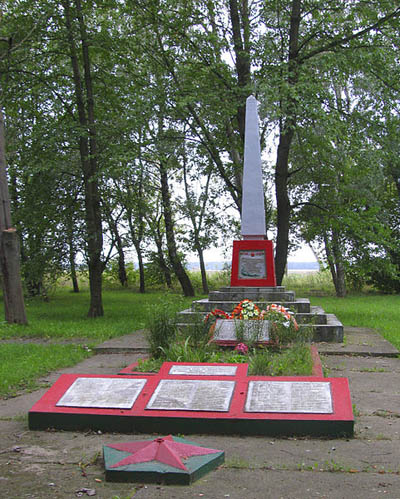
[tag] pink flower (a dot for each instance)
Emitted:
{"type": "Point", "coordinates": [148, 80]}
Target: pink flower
{"type": "Point", "coordinates": [242, 348]}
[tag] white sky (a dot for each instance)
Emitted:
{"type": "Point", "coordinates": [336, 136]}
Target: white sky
{"type": "Point", "coordinates": [303, 254]}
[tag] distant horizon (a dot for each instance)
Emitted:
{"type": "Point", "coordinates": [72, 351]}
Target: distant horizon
{"type": "Point", "coordinates": [219, 264]}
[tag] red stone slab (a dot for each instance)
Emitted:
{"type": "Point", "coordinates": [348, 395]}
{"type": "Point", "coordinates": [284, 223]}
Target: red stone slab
{"type": "Point", "coordinates": [46, 414]}
{"type": "Point", "coordinates": [254, 245]}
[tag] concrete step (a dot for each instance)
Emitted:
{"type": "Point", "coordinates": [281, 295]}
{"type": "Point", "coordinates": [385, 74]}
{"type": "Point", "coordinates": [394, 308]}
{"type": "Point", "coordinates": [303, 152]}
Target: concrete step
{"type": "Point", "coordinates": [255, 294]}
{"type": "Point", "coordinates": [332, 332]}
{"type": "Point", "coordinates": [252, 289]}
{"type": "Point", "coordinates": [300, 305]}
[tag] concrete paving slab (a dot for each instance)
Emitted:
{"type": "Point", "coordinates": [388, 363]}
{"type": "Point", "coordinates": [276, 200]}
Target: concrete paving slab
{"type": "Point", "coordinates": [360, 341]}
{"type": "Point", "coordinates": [344, 363]}
{"type": "Point", "coordinates": [135, 342]}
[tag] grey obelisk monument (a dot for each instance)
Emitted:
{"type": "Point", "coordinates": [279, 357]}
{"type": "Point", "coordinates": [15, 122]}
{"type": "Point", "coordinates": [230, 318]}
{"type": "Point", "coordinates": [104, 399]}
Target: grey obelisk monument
{"type": "Point", "coordinates": [253, 209]}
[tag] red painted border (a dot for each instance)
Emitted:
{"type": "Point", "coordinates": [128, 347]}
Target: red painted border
{"type": "Point", "coordinates": [342, 407]}
{"type": "Point", "coordinates": [316, 369]}
{"type": "Point", "coordinates": [249, 245]}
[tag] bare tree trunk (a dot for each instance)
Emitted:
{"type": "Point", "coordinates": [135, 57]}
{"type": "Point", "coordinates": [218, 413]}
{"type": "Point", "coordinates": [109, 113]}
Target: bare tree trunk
{"type": "Point", "coordinates": [179, 269]}
{"type": "Point", "coordinates": [88, 154]}
{"type": "Point", "coordinates": [334, 257]}
{"type": "Point", "coordinates": [112, 223]}
{"type": "Point", "coordinates": [285, 140]}
{"type": "Point", "coordinates": [203, 270]}
{"type": "Point", "coordinates": [138, 249]}
{"type": "Point", "coordinates": [72, 265]}
{"type": "Point", "coordinates": [14, 306]}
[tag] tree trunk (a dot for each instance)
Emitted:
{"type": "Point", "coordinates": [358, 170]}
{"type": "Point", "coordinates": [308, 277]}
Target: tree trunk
{"type": "Point", "coordinates": [14, 306]}
{"type": "Point", "coordinates": [288, 123]}
{"type": "Point", "coordinates": [72, 266]}
{"type": "Point", "coordinates": [335, 263]}
{"type": "Point", "coordinates": [123, 278]}
{"type": "Point", "coordinates": [88, 154]}
{"type": "Point", "coordinates": [161, 260]}
{"type": "Point", "coordinates": [241, 45]}
{"type": "Point", "coordinates": [202, 270]}
{"type": "Point", "coordinates": [282, 205]}
{"type": "Point", "coordinates": [141, 267]}
{"type": "Point", "coordinates": [177, 266]}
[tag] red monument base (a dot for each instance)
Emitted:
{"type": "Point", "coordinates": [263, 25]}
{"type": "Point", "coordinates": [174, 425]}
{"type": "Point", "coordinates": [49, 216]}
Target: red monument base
{"type": "Point", "coordinates": [253, 263]}
{"type": "Point", "coordinates": [197, 398]}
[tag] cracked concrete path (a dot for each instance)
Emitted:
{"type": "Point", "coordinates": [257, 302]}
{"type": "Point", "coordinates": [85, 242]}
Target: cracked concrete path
{"type": "Point", "coordinates": [59, 464]}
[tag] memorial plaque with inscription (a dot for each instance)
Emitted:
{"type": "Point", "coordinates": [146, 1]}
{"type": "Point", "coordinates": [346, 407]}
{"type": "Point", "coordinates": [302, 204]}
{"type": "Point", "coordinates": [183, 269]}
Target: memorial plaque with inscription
{"type": "Point", "coordinates": [203, 370]}
{"type": "Point", "coordinates": [192, 395]}
{"type": "Point", "coordinates": [289, 396]}
{"type": "Point", "coordinates": [112, 393]}
{"type": "Point", "coordinates": [252, 265]}
{"type": "Point", "coordinates": [229, 329]}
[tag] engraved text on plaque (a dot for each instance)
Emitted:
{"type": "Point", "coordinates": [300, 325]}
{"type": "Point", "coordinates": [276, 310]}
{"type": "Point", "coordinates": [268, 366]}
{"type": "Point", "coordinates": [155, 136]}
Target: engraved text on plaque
{"type": "Point", "coordinates": [289, 396]}
{"type": "Point", "coordinates": [192, 395]}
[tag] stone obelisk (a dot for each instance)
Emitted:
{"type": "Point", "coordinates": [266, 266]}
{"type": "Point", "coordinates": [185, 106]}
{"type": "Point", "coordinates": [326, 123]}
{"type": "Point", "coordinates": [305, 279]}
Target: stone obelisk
{"type": "Point", "coordinates": [253, 256]}
{"type": "Point", "coordinates": [253, 209]}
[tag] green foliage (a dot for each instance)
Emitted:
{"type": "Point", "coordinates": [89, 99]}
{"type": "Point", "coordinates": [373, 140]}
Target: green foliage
{"type": "Point", "coordinates": [311, 283]}
{"type": "Point", "coordinates": [162, 330]}
{"type": "Point", "coordinates": [294, 361]}
{"type": "Point", "coordinates": [22, 364]}
{"type": "Point", "coordinates": [111, 277]}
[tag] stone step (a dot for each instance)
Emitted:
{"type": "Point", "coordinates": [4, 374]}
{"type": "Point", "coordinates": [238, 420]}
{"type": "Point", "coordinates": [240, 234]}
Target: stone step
{"type": "Point", "coordinates": [300, 305]}
{"type": "Point", "coordinates": [256, 294]}
{"type": "Point", "coordinates": [251, 289]}
{"type": "Point", "coordinates": [332, 332]}
{"type": "Point", "coordinates": [316, 316]}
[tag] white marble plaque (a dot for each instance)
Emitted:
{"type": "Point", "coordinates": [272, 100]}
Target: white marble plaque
{"type": "Point", "coordinates": [232, 329]}
{"type": "Point", "coordinates": [203, 370]}
{"type": "Point", "coordinates": [289, 396]}
{"type": "Point", "coordinates": [192, 395]}
{"type": "Point", "coordinates": [110, 393]}
{"type": "Point", "coordinates": [252, 264]}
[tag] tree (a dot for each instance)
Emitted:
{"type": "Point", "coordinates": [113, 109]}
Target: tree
{"type": "Point", "coordinates": [14, 307]}
{"type": "Point", "coordinates": [88, 152]}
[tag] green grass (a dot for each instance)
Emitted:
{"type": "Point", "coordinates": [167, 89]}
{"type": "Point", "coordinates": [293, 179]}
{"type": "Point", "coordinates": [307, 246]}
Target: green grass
{"type": "Point", "coordinates": [380, 312]}
{"type": "Point", "coordinates": [309, 284]}
{"type": "Point", "coordinates": [367, 309]}
{"type": "Point", "coordinates": [64, 316]}
{"type": "Point", "coordinates": [22, 364]}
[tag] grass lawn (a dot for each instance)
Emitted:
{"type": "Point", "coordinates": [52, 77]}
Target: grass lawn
{"type": "Point", "coordinates": [380, 312]}
{"type": "Point", "coordinates": [64, 316]}
{"type": "Point", "coordinates": [22, 364]}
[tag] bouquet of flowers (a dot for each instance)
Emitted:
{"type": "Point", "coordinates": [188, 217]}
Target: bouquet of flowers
{"type": "Point", "coordinates": [283, 327]}
{"type": "Point", "coordinates": [246, 310]}
{"type": "Point", "coordinates": [279, 314]}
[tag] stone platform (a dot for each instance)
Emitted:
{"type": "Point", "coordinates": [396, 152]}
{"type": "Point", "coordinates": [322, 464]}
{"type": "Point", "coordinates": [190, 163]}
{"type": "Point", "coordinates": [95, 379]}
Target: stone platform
{"type": "Point", "coordinates": [326, 327]}
{"type": "Point", "coordinates": [197, 398]}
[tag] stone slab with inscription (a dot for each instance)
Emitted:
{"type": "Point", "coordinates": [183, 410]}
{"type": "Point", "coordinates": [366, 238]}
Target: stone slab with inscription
{"type": "Point", "coordinates": [99, 392]}
{"type": "Point", "coordinates": [192, 395]}
{"type": "Point", "coordinates": [202, 370]}
{"type": "Point", "coordinates": [289, 396]}
{"type": "Point", "coordinates": [232, 329]}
